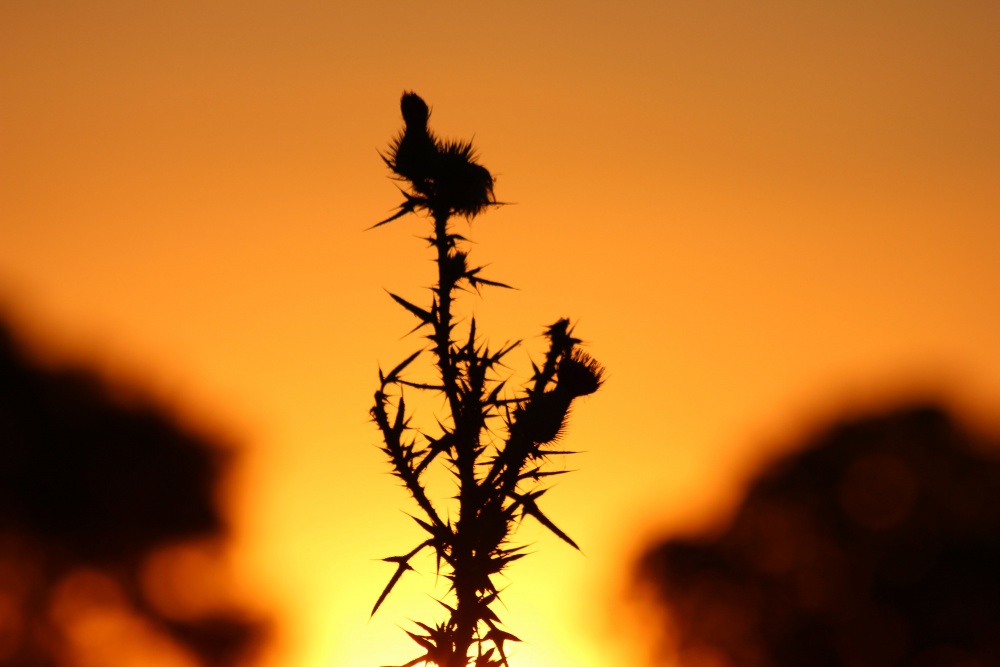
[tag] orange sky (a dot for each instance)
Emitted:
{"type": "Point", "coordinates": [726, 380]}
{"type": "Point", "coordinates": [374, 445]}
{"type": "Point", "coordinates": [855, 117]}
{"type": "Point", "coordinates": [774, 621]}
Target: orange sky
{"type": "Point", "coordinates": [757, 212]}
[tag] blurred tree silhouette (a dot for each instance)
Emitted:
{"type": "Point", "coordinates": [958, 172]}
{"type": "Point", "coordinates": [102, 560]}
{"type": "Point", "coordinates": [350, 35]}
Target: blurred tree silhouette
{"type": "Point", "coordinates": [876, 545]}
{"type": "Point", "coordinates": [495, 440]}
{"type": "Point", "coordinates": [94, 483]}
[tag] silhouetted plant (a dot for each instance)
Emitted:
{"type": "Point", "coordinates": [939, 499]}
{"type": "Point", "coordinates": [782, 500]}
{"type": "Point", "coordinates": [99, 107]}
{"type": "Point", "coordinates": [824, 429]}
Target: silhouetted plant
{"type": "Point", "coordinates": [496, 441]}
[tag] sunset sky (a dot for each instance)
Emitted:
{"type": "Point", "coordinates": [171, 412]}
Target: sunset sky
{"type": "Point", "coordinates": [758, 213]}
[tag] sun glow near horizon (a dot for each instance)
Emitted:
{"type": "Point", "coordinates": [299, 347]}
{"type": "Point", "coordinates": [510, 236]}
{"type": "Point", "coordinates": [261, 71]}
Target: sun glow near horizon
{"type": "Point", "coordinates": [754, 214]}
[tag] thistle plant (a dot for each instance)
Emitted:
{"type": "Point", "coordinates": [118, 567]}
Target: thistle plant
{"type": "Point", "coordinates": [497, 441]}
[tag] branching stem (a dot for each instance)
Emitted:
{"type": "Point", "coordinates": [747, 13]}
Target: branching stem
{"type": "Point", "coordinates": [445, 181]}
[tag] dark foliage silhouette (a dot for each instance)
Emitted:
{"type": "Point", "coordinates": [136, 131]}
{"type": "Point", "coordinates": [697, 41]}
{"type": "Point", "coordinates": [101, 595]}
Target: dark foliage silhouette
{"type": "Point", "coordinates": [878, 545]}
{"type": "Point", "coordinates": [91, 485]}
{"type": "Point", "coordinates": [495, 440]}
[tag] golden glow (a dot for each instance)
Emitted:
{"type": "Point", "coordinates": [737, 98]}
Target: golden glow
{"type": "Point", "coordinates": [186, 581]}
{"type": "Point", "coordinates": [99, 628]}
{"type": "Point", "coordinates": [756, 213]}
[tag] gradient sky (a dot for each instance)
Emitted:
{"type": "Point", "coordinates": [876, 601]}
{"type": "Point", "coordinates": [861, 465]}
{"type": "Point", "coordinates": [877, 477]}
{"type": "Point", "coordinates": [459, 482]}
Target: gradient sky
{"type": "Point", "coordinates": [758, 213]}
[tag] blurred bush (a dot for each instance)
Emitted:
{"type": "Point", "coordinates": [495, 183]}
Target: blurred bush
{"type": "Point", "coordinates": [95, 485]}
{"type": "Point", "coordinates": [876, 544]}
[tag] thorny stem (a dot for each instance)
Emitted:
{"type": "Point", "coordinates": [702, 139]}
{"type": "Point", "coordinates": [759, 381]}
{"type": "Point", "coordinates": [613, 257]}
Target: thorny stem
{"type": "Point", "coordinates": [466, 619]}
{"type": "Point", "coordinates": [442, 329]}
{"type": "Point", "coordinates": [446, 180]}
{"type": "Point", "coordinates": [411, 479]}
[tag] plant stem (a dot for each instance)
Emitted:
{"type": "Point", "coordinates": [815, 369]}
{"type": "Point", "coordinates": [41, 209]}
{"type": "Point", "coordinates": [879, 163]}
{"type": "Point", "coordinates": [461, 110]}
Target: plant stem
{"type": "Point", "coordinates": [466, 437]}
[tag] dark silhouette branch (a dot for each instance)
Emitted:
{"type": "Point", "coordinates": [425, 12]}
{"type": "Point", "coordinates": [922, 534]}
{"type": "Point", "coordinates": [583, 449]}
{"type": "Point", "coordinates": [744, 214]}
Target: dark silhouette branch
{"type": "Point", "coordinates": [498, 484]}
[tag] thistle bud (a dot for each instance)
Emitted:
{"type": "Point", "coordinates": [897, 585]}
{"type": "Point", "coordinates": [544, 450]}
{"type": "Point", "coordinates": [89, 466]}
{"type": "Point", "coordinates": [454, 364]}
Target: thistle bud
{"type": "Point", "coordinates": [580, 374]}
{"type": "Point", "coordinates": [413, 154]}
{"type": "Point", "coordinates": [542, 420]}
{"type": "Point", "coordinates": [454, 266]}
{"type": "Point", "coordinates": [415, 111]}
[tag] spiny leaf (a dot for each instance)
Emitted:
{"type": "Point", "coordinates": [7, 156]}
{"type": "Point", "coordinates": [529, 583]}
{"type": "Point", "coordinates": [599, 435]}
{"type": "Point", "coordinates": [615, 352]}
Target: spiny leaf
{"type": "Point", "coordinates": [437, 641]}
{"type": "Point", "coordinates": [502, 353]}
{"type": "Point", "coordinates": [492, 398]}
{"type": "Point", "coordinates": [498, 637]}
{"type": "Point", "coordinates": [472, 275]}
{"type": "Point", "coordinates": [485, 661]}
{"type": "Point", "coordinates": [498, 563]}
{"type": "Point", "coordinates": [436, 447]}
{"type": "Point", "coordinates": [400, 569]}
{"type": "Point", "coordinates": [409, 205]}
{"type": "Point", "coordinates": [447, 606]}
{"type": "Point", "coordinates": [529, 507]}
{"type": "Point", "coordinates": [420, 639]}
{"type": "Point", "coordinates": [438, 533]}
{"type": "Point", "coordinates": [537, 474]}
{"type": "Point", "coordinates": [402, 565]}
{"type": "Point", "coordinates": [393, 375]}
{"type": "Point", "coordinates": [426, 317]}
{"type": "Point", "coordinates": [421, 385]}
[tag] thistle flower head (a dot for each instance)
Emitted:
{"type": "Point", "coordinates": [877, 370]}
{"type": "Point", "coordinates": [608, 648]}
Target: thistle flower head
{"type": "Point", "coordinates": [445, 177]}
{"type": "Point", "coordinates": [580, 374]}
